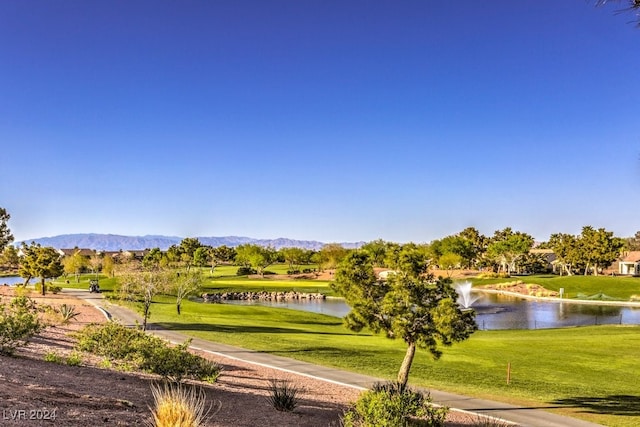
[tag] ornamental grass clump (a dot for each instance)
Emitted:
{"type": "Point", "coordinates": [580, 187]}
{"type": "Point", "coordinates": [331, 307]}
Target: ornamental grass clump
{"type": "Point", "coordinates": [67, 313]}
{"type": "Point", "coordinates": [177, 405]}
{"type": "Point", "coordinates": [283, 395]}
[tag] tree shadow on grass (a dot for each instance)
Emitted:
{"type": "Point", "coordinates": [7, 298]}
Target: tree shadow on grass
{"type": "Point", "coordinates": [235, 329]}
{"type": "Point", "coordinates": [608, 405]}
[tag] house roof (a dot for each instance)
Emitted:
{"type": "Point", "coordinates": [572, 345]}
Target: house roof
{"type": "Point", "coordinates": [83, 252]}
{"type": "Point", "coordinates": [631, 256]}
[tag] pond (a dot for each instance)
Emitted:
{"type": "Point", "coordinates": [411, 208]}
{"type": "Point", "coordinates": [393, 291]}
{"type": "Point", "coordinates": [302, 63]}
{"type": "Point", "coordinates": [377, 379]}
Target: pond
{"type": "Point", "coordinates": [495, 311]}
{"type": "Point", "coordinates": [12, 280]}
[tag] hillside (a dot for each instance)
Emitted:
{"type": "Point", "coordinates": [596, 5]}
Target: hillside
{"type": "Point", "coordinates": [114, 242]}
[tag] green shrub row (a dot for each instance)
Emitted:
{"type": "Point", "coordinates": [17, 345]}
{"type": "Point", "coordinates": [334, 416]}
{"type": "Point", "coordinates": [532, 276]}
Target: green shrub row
{"type": "Point", "coordinates": [48, 287]}
{"type": "Point", "coordinates": [139, 350]}
{"type": "Point", "coordinates": [492, 275]}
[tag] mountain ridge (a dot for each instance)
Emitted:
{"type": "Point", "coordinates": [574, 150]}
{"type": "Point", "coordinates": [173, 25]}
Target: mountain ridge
{"type": "Point", "coordinates": [115, 242]}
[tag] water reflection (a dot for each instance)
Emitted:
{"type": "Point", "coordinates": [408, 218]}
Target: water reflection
{"type": "Point", "coordinates": [495, 311]}
{"type": "Point", "coordinates": [11, 280]}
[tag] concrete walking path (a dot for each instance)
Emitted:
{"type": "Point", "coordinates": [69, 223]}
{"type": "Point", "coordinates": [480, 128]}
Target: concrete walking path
{"type": "Point", "coordinates": [523, 416]}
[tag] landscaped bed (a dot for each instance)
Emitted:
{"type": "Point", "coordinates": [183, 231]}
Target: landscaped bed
{"type": "Point", "coordinates": [92, 394]}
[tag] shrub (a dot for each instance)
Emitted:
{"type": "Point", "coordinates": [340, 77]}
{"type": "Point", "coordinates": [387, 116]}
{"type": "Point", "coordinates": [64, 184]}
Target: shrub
{"type": "Point", "coordinates": [134, 348]}
{"type": "Point", "coordinates": [492, 275]}
{"type": "Point", "coordinates": [282, 395]}
{"type": "Point", "coordinates": [178, 406]}
{"type": "Point", "coordinates": [176, 363]}
{"type": "Point", "coordinates": [393, 405]}
{"type": "Point", "coordinates": [18, 323]}
{"type": "Point", "coordinates": [245, 271]}
{"type": "Point", "coordinates": [53, 357]}
{"type": "Point", "coordinates": [74, 359]}
{"type": "Point", "coordinates": [48, 287]}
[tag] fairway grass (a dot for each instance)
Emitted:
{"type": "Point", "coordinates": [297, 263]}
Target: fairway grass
{"type": "Point", "coordinates": [619, 287]}
{"type": "Point", "coordinates": [590, 372]}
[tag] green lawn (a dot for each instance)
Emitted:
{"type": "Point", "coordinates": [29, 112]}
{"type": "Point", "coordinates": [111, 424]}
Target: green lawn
{"type": "Point", "coordinates": [107, 284]}
{"type": "Point", "coordinates": [619, 287]}
{"type": "Point", "coordinates": [224, 279]}
{"type": "Point", "coordinates": [576, 369]}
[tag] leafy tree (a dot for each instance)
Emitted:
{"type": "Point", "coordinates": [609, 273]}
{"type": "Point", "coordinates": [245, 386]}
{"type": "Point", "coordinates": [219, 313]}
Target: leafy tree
{"type": "Point", "coordinates": [152, 259]}
{"type": "Point", "coordinates": [377, 249]}
{"type": "Point", "coordinates": [565, 247]}
{"type": "Point", "coordinates": [95, 263]}
{"type": "Point", "coordinates": [409, 305]}
{"type": "Point", "coordinates": [294, 257]}
{"type": "Point", "coordinates": [599, 248]}
{"type": "Point", "coordinates": [5, 234]}
{"type": "Point", "coordinates": [221, 254]}
{"type": "Point", "coordinates": [224, 254]}
{"type": "Point", "coordinates": [591, 251]}
{"type": "Point", "coordinates": [633, 243]}
{"type": "Point", "coordinates": [330, 256]}
{"type": "Point", "coordinates": [478, 243]}
{"type": "Point", "coordinates": [449, 261]}
{"type": "Point", "coordinates": [257, 257]}
{"type": "Point", "coordinates": [143, 286]}
{"type": "Point", "coordinates": [507, 246]}
{"type": "Point", "coordinates": [187, 249]}
{"type": "Point", "coordinates": [9, 258]}
{"type": "Point", "coordinates": [74, 264]}
{"type": "Point", "coordinates": [453, 245]}
{"type": "Point", "coordinates": [39, 261]}
{"type": "Point", "coordinates": [532, 263]}
{"type": "Point", "coordinates": [173, 255]}
{"type": "Point", "coordinates": [185, 284]}
{"type": "Point", "coordinates": [201, 256]}
{"type": "Point", "coordinates": [107, 265]}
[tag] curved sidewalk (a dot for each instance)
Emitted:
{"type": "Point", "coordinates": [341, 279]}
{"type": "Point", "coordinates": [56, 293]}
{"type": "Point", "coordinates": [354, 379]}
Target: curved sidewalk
{"type": "Point", "coordinates": [523, 416]}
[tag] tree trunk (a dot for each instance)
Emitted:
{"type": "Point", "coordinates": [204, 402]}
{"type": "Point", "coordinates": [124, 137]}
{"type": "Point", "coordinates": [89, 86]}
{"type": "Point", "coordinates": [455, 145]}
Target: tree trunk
{"type": "Point", "coordinates": [145, 316]}
{"type": "Point", "coordinates": [403, 374]}
{"type": "Point", "coordinates": [178, 307]}
{"type": "Point", "coordinates": [43, 286]}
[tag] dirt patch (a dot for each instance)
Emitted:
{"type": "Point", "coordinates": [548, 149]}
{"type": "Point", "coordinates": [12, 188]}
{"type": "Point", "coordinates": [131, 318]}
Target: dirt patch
{"type": "Point", "coordinates": [39, 393]}
{"type": "Point", "coordinates": [519, 287]}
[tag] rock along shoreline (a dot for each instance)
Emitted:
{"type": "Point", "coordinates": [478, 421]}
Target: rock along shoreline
{"type": "Point", "coordinates": [261, 296]}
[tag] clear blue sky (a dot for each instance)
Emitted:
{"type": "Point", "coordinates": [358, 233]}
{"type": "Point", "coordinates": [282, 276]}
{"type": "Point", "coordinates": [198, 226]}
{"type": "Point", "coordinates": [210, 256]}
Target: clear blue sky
{"type": "Point", "coordinates": [326, 120]}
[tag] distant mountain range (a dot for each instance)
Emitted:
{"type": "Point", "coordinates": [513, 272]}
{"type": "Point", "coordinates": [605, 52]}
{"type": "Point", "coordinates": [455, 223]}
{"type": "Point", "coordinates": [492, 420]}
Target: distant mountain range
{"type": "Point", "coordinates": [113, 242]}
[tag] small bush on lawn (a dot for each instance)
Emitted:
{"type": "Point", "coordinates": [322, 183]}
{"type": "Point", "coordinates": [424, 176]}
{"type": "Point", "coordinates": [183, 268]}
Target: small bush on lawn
{"type": "Point", "coordinates": [18, 323]}
{"type": "Point", "coordinates": [245, 271]}
{"type": "Point", "coordinates": [133, 347]}
{"type": "Point", "coordinates": [178, 406]}
{"type": "Point", "coordinates": [282, 395]}
{"type": "Point", "coordinates": [392, 405]}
